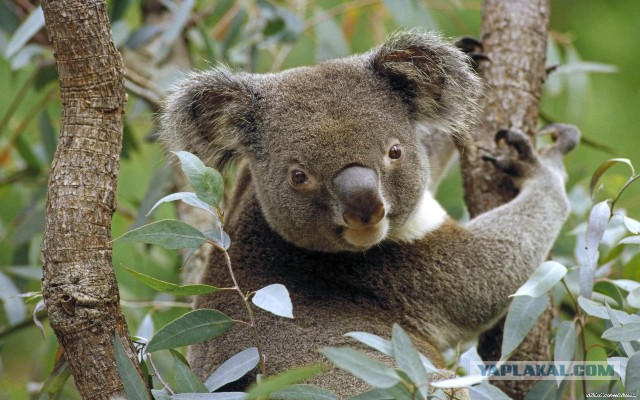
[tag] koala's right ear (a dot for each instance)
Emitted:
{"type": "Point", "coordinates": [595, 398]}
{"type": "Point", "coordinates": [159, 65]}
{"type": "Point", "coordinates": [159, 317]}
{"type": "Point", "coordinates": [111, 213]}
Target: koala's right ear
{"type": "Point", "coordinates": [209, 114]}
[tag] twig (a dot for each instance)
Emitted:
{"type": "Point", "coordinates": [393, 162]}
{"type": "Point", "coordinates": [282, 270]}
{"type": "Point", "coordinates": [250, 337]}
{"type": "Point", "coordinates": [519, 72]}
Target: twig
{"type": "Point", "coordinates": [157, 374]}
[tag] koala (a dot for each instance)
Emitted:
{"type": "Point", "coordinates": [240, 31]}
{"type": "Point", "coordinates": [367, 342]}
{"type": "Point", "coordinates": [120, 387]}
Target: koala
{"type": "Point", "coordinates": [334, 200]}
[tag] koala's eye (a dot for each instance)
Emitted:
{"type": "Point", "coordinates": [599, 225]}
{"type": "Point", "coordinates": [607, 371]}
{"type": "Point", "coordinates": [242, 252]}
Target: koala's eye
{"type": "Point", "coordinates": [395, 152]}
{"type": "Point", "coordinates": [298, 177]}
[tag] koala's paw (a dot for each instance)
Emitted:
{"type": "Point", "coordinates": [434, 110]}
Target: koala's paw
{"type": "Point", "coordinates": [472, 48]}
{"type": "Point", "coordinates": [565, 138]}
{"type": "Point", "coordinates": [519, 164]}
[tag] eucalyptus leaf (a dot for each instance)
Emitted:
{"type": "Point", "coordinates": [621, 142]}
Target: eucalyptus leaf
{"type": "Point", "coordinates": [189, 198]}
{"type": "Point", "coordinates": [610, 290]}
{"type": "Point", "coordinates": [459, 382]}
{"type": "Point", "coordinates": [543, 390]}
{"type": "Point", "coordinates": [598, 220]}
{"type": "Point", "coordinates": [616, 324]}
{"type": "Point", "coordinates": [134, 387]}
{"type": "Point", "coordinates": [214, 236]}
{"type": "Point", "coordinates": [598, 310]}
{"type": "Point", "coordinates": [24, 33]}
{"type": "Point", "coordinates": [632, 374]}
{"type": "Point", "coordinates": [522, 315]}
{"type": "Point", "coordinates": [233, 369]}
{"type": "Point", "coordinates": [631, 240]}
{"type": "Point", "coordinates": [385, 347]}
{"type": "Point", "coordinates": [186, 380]}
{"type": "Point", "coordinates": [626, 284]}
{"type": "Point", "coordinates": [375, 394]}
{"type": "Point", "coordinates": [193, 327]}
{"type": "Point", "coordinates": [275, 299]}
{"type": "Point", "coordinates": [369, 370]}
{"type": "Point", "coordinates": [53, 385]}
{"type": "Point", "coordinates": [631, 224]}
{"type": "Point", "coordinates": [619, 365]}
{"type": "Point", "coordinates": [330, 40]}
{"type": "Point", "coordinates": [408, 359]}
{"type": "Point", "coordinates": [486, 391]}
{"type": "Point", "coordinates": [168, 233]}
{"type": "Point", "coordinates": [303, 392]}
{"type": "Point", "coordinates": [210, 396]}
{"type": "Point", "coordinates": [543, 279]}
{"type": "Point", "coordinates": [207, 182]}
{"type": "Point", "coordinates": [160, 394]}
{"type": "Point", "coordinates": [14, 308]}
{"type": "Point", "coordinates": [604, 167]}
{"type": "Point", "coordinates": [278, 382]}
{"type": "Point", "coordinates": [624, 333]}
{"type": "Point", "coordinates": [146, 328]}
{"type": "Point", "coordinates": [634, 298]}
{"type": "Point", "coordinates": [172, 288]}
{"type": "Point", "coordinates": [565, 345]}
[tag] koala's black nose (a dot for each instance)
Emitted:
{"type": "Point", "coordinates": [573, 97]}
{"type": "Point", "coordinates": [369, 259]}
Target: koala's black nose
{"type": "Point", "coordinates": [358, 191]}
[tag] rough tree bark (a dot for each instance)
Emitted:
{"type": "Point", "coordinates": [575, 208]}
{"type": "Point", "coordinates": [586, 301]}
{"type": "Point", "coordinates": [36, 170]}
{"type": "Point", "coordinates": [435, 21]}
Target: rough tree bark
{"type": "Point", "coordinates": [514, 37]}
{"type": "Point", "coordinates": [79, 285]}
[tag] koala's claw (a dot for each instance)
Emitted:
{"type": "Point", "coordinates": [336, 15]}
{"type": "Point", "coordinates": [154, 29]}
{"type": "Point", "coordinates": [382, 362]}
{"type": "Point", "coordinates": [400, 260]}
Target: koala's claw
{"type": "Point", "coordinates": [472, 48]}
{"type": "Point", "coordinates": [514, 166]}
{"type": "Point", "coordinates": [565, 137]}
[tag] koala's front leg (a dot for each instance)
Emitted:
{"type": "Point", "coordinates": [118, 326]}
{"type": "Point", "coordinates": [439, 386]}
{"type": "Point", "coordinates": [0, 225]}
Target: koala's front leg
{"type": "Point", "coordinates": [518, 235]}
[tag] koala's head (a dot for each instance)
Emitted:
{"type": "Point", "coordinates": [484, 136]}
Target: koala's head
{"type": "Point", "coordinates": [334, 150]}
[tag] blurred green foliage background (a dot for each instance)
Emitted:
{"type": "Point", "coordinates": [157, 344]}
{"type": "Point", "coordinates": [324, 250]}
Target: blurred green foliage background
{"type": "Point", "coordinates": [596, 87]}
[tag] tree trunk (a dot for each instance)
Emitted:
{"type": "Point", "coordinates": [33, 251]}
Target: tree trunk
{"type": "Point", "coordinates": [514, 37]}
{"type": "Point", "coordinates": [79, 285]}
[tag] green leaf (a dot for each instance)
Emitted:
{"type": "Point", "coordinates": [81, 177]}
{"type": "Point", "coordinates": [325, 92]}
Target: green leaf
{"type": "Point", "coordinates": [369, 370]}
{"type": "Point", "coordinates": [634, 298]}
{"type": "Point", "coordinates": [604, 167]}
{"type": "Point", "coordinates": [30, 26]}
{"type": "Point", "coordinates": [275, 299]}
{"type": "Point", "coordinates": [628, 348]}
{"type": "Point", "coordinates": [146, 328]}
{"type": "Point", "coordinates": [598, 220]}
{"type": "Point", "coordinates": [565, 346]}
{"type": "Point", "coordinates": [276, 383]}
{"type": "Point", "coordinates": [189, 198]}
{"type": "Point", "coordinates": [597, 310]}
{"type": "Point", "coordinates": [214, 236]}
{"type": "Point", "coordinates": [625, 284]}
{"type": "Point", "coordinates": [233, 369]}
{"type": "Point", "coordinates": [630, 240]}
{"type": "Point", "coordinates": [375, 394]}
{"type": "Point", "coordinates": [631, 224]}
{"type": "Point", "coordinates": [330, 40]}
{"type": "Point", "coordinates": [160, 394]}
{"type": "Point", "coordinates": [303, 392]}
{"type": "Point", "coordinates": [459, 382]}
{"type": "Point", "coordinates": [619, 365]}
{"type": "Point", "coordinates": [487, 391]}
{"type": "Point", "coordinates": [610, 290]}
{"type": "Point", "coordinates": [172, 288]}
{"type": "Point", "coordinates": [632, 374]}
{"type": "Point", "coordinates": [522, 315]}
{"type": "Point", "coordinates": [408, 359]}
{"type": "Point", "coordinates": [193, 327]}
{"type": "Point", "coordinates": [624, 333]}
{"type": "Point", "coordinates": [410, 13]}
{"type": "Point", "coordinates": [543, 390]}
{"type": "Point", "coordinates": [14, 309]}
{"type": "Point", "coordinates": [134, 387]}
{"type": "Point", "coordinates": [207, 182]}
{"type": "Point", "coordinates": [210, 396]}
{"type": "Point", "coordinates": [186, 379]}
{"type": "Point", "coordinates": [47, 134]}
{"type": "Point", "coordinates": [543, 279]}
{"type": "Point", "coordinates": [52, 387]}
{"type": "Point", "coordinates": [168, 233]}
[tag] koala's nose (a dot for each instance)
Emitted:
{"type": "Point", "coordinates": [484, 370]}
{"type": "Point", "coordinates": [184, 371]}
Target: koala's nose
{"type": "Point", "coordinates": [359, 193]}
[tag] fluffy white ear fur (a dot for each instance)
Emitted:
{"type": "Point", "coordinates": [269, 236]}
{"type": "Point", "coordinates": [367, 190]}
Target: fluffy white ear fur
{"type": "Point", "coordinates": [427, 217]}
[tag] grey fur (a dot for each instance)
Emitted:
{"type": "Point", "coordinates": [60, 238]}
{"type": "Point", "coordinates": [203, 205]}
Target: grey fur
{"type": "Point", "coordinates": [444, 287]}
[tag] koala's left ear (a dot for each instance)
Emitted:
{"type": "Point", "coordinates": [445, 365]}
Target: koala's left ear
{"type": "Point", "coordinates": [432, 77]}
